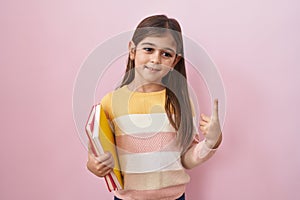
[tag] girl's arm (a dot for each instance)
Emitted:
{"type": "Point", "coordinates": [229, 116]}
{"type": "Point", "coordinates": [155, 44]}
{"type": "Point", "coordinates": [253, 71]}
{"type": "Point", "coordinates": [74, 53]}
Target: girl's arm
{"type": "Point", "coordinates": [199, 152]}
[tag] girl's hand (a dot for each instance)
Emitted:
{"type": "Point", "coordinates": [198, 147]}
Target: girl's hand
{"type": "Point", "coordinates": [210, 127]}
{"type": "Point", "coordinates": [100, 166]}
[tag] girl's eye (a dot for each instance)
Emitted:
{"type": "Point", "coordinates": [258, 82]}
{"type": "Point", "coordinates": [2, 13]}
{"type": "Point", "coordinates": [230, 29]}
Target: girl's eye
{"type": "Point", "coordinates": [148, 49]}
{"type": "Point", "coordinates": [166, 54]}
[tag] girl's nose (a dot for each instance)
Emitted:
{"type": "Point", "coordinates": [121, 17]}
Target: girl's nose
{"type": "Point", "coordinates": [155, 57]}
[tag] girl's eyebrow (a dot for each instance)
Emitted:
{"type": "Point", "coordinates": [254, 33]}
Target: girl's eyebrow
{"type": "Point", "coordinates": [151, 44]}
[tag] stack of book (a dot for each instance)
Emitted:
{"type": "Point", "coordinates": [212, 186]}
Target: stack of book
{"type": "Point", "coordinates": [102, 140]}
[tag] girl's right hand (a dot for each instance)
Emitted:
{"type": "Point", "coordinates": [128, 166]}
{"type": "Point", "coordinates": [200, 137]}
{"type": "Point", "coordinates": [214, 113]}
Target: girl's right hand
{"type": "Point", "coordinates": [100, 166]}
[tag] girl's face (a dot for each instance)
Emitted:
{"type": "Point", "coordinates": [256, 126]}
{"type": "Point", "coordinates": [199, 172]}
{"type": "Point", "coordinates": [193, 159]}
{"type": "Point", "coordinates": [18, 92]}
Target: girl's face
{"type": "Point", "coordinates": [154, 57]}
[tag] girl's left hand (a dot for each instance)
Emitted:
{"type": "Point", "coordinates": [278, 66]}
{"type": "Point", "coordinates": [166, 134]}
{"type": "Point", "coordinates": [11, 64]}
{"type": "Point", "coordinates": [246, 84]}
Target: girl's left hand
{"type": "Point", "coordinates": [210, 127]}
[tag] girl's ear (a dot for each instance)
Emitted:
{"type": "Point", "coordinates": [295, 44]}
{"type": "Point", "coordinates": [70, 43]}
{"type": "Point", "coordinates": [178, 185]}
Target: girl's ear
{"type": "Point", "coordinates": [131, 48]}
{"type": "Point", "coordinates": [177, 59]}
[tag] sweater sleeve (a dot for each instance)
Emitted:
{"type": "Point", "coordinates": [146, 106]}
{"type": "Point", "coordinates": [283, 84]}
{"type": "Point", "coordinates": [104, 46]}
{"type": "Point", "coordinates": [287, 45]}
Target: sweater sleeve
{"type": "Point", "coordinates": [198, 153]}
{"type": "Point", "coordinates": [106, 105]}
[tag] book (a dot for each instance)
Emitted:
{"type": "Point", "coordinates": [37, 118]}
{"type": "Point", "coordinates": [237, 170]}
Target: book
{"type": "Point", "coordinates": [101, 139]}
{"type": "Point", "coordinates": [105, 140]}
{"type": "Point", "coordinates": [89, 130]}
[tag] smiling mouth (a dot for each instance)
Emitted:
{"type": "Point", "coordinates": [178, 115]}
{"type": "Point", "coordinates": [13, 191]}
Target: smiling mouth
{"type": "Point", "coordinates": [152, 69]}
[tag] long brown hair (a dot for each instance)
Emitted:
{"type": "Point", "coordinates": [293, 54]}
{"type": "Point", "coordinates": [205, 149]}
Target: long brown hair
{"type": "Point", "coordinates": [177, 97]}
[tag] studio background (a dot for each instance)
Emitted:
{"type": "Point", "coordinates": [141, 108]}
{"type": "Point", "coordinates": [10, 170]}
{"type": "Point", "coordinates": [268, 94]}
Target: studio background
{"type": "Point", "coordinates": [255, 45]}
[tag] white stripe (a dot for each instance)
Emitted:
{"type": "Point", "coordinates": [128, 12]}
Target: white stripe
{"type": "Point", "coordinates": [150, 162]}
{"type": "Point", "coordinates": [143, 123]}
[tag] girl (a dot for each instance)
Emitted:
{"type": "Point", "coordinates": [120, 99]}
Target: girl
{"type": "Point", "coordinates": [152, 117]}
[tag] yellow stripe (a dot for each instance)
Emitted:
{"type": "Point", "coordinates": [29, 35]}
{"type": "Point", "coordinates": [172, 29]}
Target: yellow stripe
{"type": "Point", "coordinates": [123, 102]}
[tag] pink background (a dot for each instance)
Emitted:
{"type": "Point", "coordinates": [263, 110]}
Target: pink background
{"type": "Point", "coordinates": [253, 43]}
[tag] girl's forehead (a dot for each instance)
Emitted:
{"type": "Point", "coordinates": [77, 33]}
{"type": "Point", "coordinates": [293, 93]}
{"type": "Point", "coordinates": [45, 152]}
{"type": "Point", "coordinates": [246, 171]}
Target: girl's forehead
{"type": "Point", "coordinates": [163, 41]}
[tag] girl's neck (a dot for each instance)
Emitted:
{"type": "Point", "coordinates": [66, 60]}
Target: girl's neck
{"type": "Point", "coordinates": [149, 87]}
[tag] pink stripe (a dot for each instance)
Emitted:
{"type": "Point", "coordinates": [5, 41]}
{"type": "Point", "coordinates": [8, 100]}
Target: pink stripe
{"type": "Point", "coordinates": [164, 141]}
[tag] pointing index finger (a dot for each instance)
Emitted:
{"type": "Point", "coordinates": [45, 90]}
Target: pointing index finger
{"type": "Point", "coordinates": [216, 109]}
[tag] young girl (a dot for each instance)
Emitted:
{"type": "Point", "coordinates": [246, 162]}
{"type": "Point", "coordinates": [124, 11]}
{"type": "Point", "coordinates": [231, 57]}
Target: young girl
{"type": "Point", "coordinates": [152, 117]}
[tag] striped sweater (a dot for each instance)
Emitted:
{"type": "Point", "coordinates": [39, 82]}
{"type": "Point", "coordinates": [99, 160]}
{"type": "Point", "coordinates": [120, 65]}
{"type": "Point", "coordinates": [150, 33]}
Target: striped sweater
{"type": "Point", "coordinates": [150, 158]}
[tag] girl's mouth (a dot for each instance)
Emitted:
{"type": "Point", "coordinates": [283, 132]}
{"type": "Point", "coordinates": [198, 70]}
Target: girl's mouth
{"type": "Point", "coordinates": [152, 69]}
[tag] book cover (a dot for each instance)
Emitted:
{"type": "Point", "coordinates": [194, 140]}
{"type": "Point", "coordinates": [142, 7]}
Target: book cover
{"type": "Point", "coordinates": [89, 131]}
{"type": "Point", "coordinates": [107, 141]}
{"type": "Point", "coordinates": [101, 139]}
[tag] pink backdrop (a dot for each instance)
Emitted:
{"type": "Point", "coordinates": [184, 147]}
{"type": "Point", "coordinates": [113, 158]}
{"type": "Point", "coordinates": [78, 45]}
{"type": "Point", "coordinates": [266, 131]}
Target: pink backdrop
{"type": "Point", "coordinates": [254, 44]}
